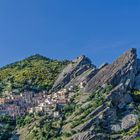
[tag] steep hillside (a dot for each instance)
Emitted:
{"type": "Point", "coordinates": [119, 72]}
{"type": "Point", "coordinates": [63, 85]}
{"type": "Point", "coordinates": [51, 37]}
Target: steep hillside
{"type": "Point", "coordinates": [109, 112]}
{"type": "Point", "coordinates": [33, 73]}
{"type": "Point", "coordinates": [103, 103]}
{"type": "Point", "coordinates": [107, 108]}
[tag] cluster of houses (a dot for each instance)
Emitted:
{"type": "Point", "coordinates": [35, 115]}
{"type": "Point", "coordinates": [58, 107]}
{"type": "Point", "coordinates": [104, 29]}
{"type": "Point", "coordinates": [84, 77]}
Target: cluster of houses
{"type": "Point", "coordinates": [30, 102]}
{"type": "Point", "coordinates": [17, 105]}
{"type": "Point", "coordinates": [52, 104]}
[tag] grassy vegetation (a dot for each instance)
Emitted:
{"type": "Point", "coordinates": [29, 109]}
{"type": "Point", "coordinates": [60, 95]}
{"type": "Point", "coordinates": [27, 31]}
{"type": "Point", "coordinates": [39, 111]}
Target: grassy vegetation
{"type": "Point", "coordinates": [81, 113]}
{"type": "Point", "coordinates": [22, 121]}
{"type": "Point", "coordinates": [7, 127]}
{"type": "Point", "coordinates": [96, 99]}
{"type": "Point", "coordinates": [68, 109]}
{"type": "Point", "coordinates": [136, 95]}
{"type": "Point", "coordinates": [47, 128]}
{"type": "Point", "coordinates": [34, 73]}
{"type": "Point", "coordinates": [132, 131]}
{"type": "Point", "coordinates": [136, 92]}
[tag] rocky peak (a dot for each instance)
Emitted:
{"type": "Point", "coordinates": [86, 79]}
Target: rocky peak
{"type": "Point", "coordinates": [122, 70]}
{"type": "Point", "coordinates": [72, 70]}
{"type": "Point", "coordinates": [80, 58]}
{"type": "Point", "coordinates": [116, 114]}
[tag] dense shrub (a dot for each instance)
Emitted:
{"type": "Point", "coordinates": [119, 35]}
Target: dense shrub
{"type": "Point", "coordinates": [33, 73]}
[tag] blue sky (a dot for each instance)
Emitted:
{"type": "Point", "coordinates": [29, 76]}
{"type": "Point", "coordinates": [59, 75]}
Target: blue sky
{"type": "Point", "coordinates": [64, 29]}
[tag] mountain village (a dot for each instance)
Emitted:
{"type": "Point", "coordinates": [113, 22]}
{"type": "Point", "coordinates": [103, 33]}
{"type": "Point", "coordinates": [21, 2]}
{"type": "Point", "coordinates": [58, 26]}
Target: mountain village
{"type": "Point", "coordinates": [30, 102]}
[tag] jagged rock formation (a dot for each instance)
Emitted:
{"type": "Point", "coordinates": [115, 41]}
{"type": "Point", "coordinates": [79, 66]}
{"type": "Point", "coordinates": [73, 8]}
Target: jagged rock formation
{"type": "Point", "coordinates": [121, 70]}
{"type": "Point", "coordinates": [127, 122]}
{"type": "Point", "coordinates": [116, 113]}
{"type": "Point", "coordinates": [78, 70]}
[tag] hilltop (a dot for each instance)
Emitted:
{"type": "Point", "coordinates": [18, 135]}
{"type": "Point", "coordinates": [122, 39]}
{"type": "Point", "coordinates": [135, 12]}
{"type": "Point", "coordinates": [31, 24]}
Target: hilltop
{"type": "Point", "coordinates": [33, 73]}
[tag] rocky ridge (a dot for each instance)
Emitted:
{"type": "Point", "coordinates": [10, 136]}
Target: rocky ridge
{"type": "Point", "coordinates": [123, 75]}
{"type": "Point", "coordinates": [121, 70]}
{"type": "Point", "coordinates": [117, 115]}
{"type": "Point", "coordinates": [80, 69]}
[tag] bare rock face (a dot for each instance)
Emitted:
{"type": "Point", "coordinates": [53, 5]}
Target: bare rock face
{"type": "Point", "coordinates": [84, 136]}
{"type": "Point", "coordinates": [129, 121]}
{"type": "Point", "coordinates": [88, 135]}
{"type": "Point", "coordinates": [74, 69]}
{"type": "Point", "coordinates": [103, 65]}
{"type": "Point", "coordinates": [121, 70]}
{"type": "Point", "coordinates": [119, 96]}
{"type": "Point", "coordinates": [82, 78]}
{"type": "Point", "coordinates": [126, 123]}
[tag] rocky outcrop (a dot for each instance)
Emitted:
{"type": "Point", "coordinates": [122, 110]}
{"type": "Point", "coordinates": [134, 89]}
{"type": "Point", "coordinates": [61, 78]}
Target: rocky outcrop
{"type": "Point", "coordinates": [76, 68]}
{"type": "Point", "coordinates": [119, 96]}
{"type": "Point", "coordinates": [82, 78]}
{"type": "Point", "coordinates": [102, 66]}
{"type": "Point", "coordinates": [88, 135]}
{"type": "Point", "coordinates": [127, 122]}
{"type": "Point", "coordinates": [115, 114]}
{"type": "Point", "coordinates": [121, 70]}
